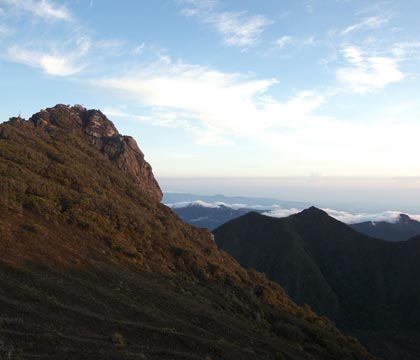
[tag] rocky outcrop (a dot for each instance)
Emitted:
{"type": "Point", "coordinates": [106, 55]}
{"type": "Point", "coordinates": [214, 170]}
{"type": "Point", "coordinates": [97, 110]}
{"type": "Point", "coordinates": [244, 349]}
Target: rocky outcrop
{"type": "Point", "coordinates": [98, 130]}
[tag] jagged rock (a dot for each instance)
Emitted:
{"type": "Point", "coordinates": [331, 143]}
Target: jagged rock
{"type": "Point", "coordinates": [101, 132]}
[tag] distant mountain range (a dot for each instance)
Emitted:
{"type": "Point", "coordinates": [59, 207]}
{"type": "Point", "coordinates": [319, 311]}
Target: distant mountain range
{"type": "Point", "coordinates": [243, 201]}
{"type": "Point", "coordinates": [403, 229]}
{"type": "Point", "coordinates": [368, 286]}
{"type": "Point", "coordinates": [209, 217]}
{"type": "Point", "coordinates": [213, 215]}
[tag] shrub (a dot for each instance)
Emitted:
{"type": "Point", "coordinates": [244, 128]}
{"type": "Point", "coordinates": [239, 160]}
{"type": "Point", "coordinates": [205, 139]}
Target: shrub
{"type": "Point", "coordinates": [287, 331]}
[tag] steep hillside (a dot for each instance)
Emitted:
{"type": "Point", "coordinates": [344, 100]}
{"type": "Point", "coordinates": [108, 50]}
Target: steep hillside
{"type": "Point", "coordinates": [404, 229]}
{"type": "Point", "coordinates": [368, 286]}
{"type": "Point", "coordinates": [92, 266]}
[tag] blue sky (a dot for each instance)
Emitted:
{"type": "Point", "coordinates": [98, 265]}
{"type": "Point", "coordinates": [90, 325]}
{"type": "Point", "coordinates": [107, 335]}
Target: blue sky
{"type": "Point", "coordinates": [229, 88]}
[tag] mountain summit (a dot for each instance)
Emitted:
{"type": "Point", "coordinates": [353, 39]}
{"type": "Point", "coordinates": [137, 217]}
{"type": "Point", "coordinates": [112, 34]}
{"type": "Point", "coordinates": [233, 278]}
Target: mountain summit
{"type": "Point", "coordinates": [99, 131]}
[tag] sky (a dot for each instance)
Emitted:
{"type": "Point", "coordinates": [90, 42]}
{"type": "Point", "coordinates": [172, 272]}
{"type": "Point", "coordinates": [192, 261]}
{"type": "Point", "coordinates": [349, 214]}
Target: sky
{"type": "Point", "coordinates": [212, 88]}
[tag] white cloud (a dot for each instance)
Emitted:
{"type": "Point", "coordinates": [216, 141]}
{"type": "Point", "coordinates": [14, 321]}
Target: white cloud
{"type": "Point", "coordinates": [237, 28]}
{"type": "Point", "coordinates": [349, 218]}
{"type": "Point", "coordinates": [309, 41]}
{"type": "Point", "coordinates": [405, 49]}
{"type": "Point", "coordinates": [277, 211]}
{"type": "Point", "coordinates": [54, 62]}
{"type": "Point", "coordinates": [213, 105]}
{"type": "Point", "coordinates": [193, 203]}
{"type": "Point", "coordinates": [219, 108]}
{"type": "Point", "coordinates": [219, 204]}
{"type": "Point", "coordinates": [373, 22]}
{"type": "Point", "coordinates": [232, 206]}
{"type": "Point", "coordinates": [368, 73]}
{"type": "Point", "coordinates": [346, 217]}
{"type": "Point", "coordinates": [139, 49]}
{"type": "Point", "coordinates": [42, 8]}
{"type": "Point", "coordinates": [281, 42]}
{"type": "Point", "coordinates": [281, 213]}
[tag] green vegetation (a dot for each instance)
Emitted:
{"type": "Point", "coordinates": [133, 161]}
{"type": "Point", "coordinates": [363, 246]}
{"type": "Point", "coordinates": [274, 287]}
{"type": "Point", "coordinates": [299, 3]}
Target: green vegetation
{"type": "Point", "coordinates": [9, 352]}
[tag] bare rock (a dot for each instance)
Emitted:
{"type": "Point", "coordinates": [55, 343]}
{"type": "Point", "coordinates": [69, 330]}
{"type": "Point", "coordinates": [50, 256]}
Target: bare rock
{"type": "Point", "coordinates": [99, 131]}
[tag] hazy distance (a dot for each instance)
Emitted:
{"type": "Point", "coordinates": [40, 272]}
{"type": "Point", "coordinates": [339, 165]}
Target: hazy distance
{"type": "Point", "coordinates": [341, 193]}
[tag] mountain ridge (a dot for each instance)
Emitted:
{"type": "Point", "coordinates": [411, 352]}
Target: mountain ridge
{"type": "Point", "coordinates": [93, 266]}
{"type": "Point", "coordinates": [362, 283]}
{"type": "Point", "coordinates": [401, 230]}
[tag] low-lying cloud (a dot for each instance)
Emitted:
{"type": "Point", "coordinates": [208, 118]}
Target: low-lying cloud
{"type": "Point", "coordinates": [277, 211]}
{"type": "Point", "coordinates": [349, 218]}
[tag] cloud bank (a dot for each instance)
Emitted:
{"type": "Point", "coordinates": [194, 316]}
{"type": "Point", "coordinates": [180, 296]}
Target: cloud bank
{"type": "Point", "coordinates": [347, 217]}
{"type": "Point", "coordinates": [279, 212]}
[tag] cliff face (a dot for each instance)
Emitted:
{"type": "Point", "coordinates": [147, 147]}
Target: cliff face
{"type": "Point", "coordinates": [101, 132]}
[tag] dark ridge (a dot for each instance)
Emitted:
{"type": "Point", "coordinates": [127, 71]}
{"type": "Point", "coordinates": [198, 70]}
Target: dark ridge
{"type": "Point", "coordinates": [208, 217]}
{"type": "Point", "coordinates": [403, 229]}
{"type": "Point", "coordinates": [368, 286]}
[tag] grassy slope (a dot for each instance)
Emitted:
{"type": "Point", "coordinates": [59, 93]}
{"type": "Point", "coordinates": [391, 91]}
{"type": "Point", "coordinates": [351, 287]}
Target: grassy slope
{"type": "Point", "coordinates": [92, 268]}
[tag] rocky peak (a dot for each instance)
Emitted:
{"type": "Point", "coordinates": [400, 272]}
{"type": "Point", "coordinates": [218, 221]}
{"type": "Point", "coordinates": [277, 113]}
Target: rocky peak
{"type": "Point", "coordinates": [313, 212]}
{"type": "Point", "coordinates": [76, 119]}
{"type": "Point", "coordinates": [98, 130]}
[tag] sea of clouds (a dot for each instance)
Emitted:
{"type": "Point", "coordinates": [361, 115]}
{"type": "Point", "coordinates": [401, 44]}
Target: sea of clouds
{"type": "Point", "coordinates": [391, 216]}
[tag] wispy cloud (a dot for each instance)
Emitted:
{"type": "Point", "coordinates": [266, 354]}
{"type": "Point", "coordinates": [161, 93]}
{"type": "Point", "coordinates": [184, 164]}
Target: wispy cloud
{"type": "Point", "coordinates": [373, 22]}
{"type": "Point", "coordinates": [217, 106]}
{"type": "Point", "coordinates": [364, 74]}
{"type": "Point", "coordinates": [404, 50]}
{"type": "Point", "coordinates": [42, 8]}
{"type": "Point", "coordinates": [282, 41]}
{"type": "Point", "coordinates": [4, 30]}
{"type": "Point", "coordinates": [53, 62]}
{"type": "Point", "coordinates": [309, 41]}
{"type": "Point", "coordinates": [237, 28]}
